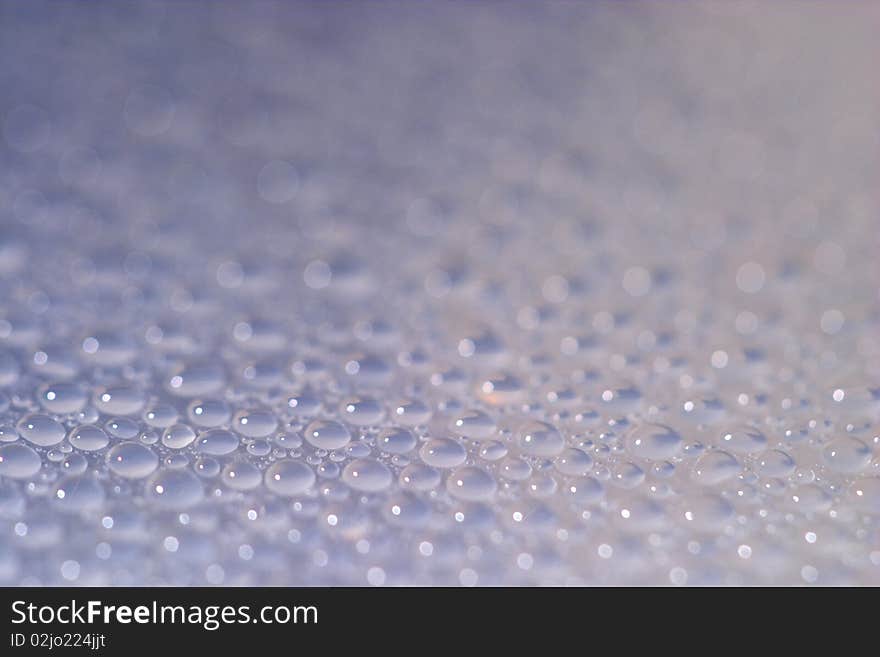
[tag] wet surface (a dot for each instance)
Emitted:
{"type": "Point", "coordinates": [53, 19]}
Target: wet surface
{"type": "Point", "coordinates": [439, 294]}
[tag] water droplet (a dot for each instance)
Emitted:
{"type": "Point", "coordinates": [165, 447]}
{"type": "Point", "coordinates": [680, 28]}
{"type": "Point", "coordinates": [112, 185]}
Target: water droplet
{"type": "Point", "coordinates": [367, 475]}
{"type": "Point", "coordinates": [289, 477]}
{"type": "Point", "coordinates": [62, 398]}
{"type": "Point", "coordinates": [209, 413]}
{"type": "Point", "coordinates": [540, 439]}
{"type": "Point", "coordinates": [78, 494]}
{"type": "Point", "coordinates": [120, 400]}
{"type": "Point", "coordinates": [241, 475]}
{"type": "Point", "coordinates": [88, 438]}
{"type": "Point", "coordinates": [160, 416]}
{"type": "Point", "coordinates": [304, 405]}
{"type": "Point", "coordinates": [574, 462]}
{"type": "Point", "coordinates": [864, 493]}
{"type": "Point", "coordinates": [420, 477]}
{"type": "Point", "coordinates": [743, 440]}
{"type": "Point", "coordinates": [361, 411]}
{"type": "Point", "coordinates": [515, 469]}
{"type": "Point", "coordinates": [395, 440]}
{"type": "Point", "coordinates": [412, 412]}
{"type": "Point", "coordinates": [41, 430]}
{"type": "Point", "coordinates": [474, 424]}
{"type": "Point", "coordinates": [627, 475]}
{"type": "Point", "coordinates": [174, 489]}
{"type": "Point", "coordinates": [18, 461]}
{"type": "Point", "coordinates": [846, 454]}
{"type": "Point", "coordinates": [216, 442]}
{"type": "Point", "coordinates": [471, 483]}
{"type": "Point", "coordinates": [196, 380]}
{"type": "Point", "coordinates": [443, 453]}
{"type": "Point", "coordinates": [254, 424]}
{"type": "Point", "coordinates": [132, 460]}
{"type": "Point", "coordinates": [776, 463]}
{"type": "Point", "coordinates": [121, 427]}
{"type": "Point", "coordinates": [657, 442]}
{"type": "Point", "coordinates": [178, 436]}
{"type": "Point", "coordinates": [715, 467]}
{"type": "Point", "coordinates": [327, 434]}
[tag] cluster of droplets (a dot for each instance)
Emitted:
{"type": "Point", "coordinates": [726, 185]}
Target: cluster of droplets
{"type": "Point", "coordinates": [249, 335]}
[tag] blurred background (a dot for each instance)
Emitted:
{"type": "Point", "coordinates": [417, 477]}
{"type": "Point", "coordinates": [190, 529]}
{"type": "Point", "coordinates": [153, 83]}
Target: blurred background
{"type": "Point", "coordinates": [582, 293]}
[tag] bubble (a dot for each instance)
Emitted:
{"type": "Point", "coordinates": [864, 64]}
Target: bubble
{"type": "Point", "coordinates": [62, 398]}
{"type": "Point", "coordinates": [361, 411]}
{"type": "Point", "coordinates": [471, 483]}
{"type": "Point", "coordinates": [743, 440]}
{"type": "Point", "coordinates": [656, 442]}
{"type": "Point", "coordinates": [132, 460]}
{"type": "Point", "coordinates": [367, 475]}
{"type": "Point", "coordinates": [574, 462]}
{"type": "Point", "coordinates": [41, 430]}
{"type": "Point", "coordinates": [540, 439]}
{"type": "Point", "coordinates": [18, 461]}
{"type": "Point", "coordinates": [178, 436]}
{"type": "Point", "coordinates": [254, 424]}
{"type": "Point", "coordinates": [289, 478]}
{"type": "Point", "coordinates": [396, 440]}
{"type": "Point", "coordinates": [120, 400]}
{"type": "Point", "coordinates": [216, 442]}
{"type": "Point", "coordinates": [88, 438]}
{"type": "Point", "coordinates": [241, 475]}
{"type": "Point", "coordinates": [174, 489]}
{"type": "Point", "coordinates": [846, 454]}
{"type": "Point", "coordinates": [715, 467]}
{"type": "Point", "coordinates": [443, 453]}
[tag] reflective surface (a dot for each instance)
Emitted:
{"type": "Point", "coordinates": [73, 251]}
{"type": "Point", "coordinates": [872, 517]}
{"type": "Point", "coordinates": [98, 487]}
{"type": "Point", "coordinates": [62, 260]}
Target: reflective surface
{"type": "Point", "coordinates": [439, 294]}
